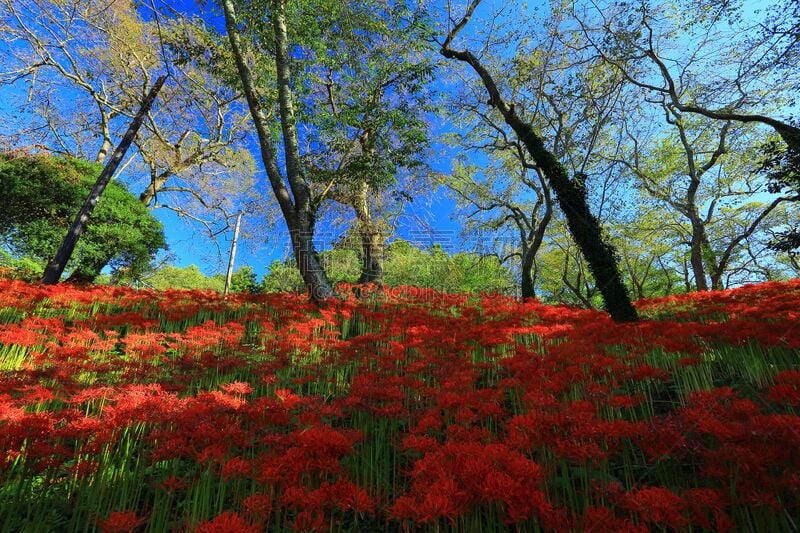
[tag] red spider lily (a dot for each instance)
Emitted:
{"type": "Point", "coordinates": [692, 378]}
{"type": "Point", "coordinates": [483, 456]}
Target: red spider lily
{"type": "Point", "coordinates": [237, 387]}
{"type": "Point", "coordinates": [786, 390]}
{"type": "Point", "coordinates": [172, 484]}
{"type": "Point", "coordinates": [656, 506]}
{"type": "Point", "coordinates": [449, 481]}
{"type": "Point", "coordinates": [227, 522]}
{"type": "Point", "coordinates": [406, 410]}
{"type": "Point", "coordinates": [120, 522]}
{"type": "Point", "coordinates": [706, 509]}
{"type": "Point", "coordinates": [258, 506]}
{"type": "Point", "coordinates": [603, 519]}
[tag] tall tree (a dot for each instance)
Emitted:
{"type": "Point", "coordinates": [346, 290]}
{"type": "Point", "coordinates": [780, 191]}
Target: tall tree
{"type": "Point", "coordinates": [715, 99]}
{"type": "Point", "coordinates": [560, 93]}
{"type": "Point", "coordinates": [369, 119]}
{"type": "Point", "coordinates": [296, 206]}
{"type": "Point", "coordinates": [348, 103]}
{"type": "Point", "coordinates": [570, 193]}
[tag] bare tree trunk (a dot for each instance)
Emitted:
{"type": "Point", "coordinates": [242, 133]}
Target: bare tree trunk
{"type": "Point", "coordinates": [666, 272]}
{"type": "Point", "coordinates": [716, 281]}
{"type": "Point", "coordinates": [308, 262]}
{"type": "Point", "coordinates": [575, 289]}
{"type": "Point", "coordinates": [370, 236]}
{"type": "Point", "coordinates": [636, 284]}
{"type": "Point", "coordinates": [687, 285]}
{"type": "Point", "coordinates": [106, 145]}
{"type": "Point", "coordinates": [56, 267]}
{"type": "Point", "coordinates": [103, 152]}
{"type": "Point", "coordinates": [696, 256]}
{"type": "Point", "coordinates": [232, 256]}
{"type": "Point", "coordinates": [721, 264]}
{"type": "Point", "coordinates": [533, 242]}
{"type": "Point", "coordinates": [317, 283]}
{"type": "Point", "coordinates": [372, 255]}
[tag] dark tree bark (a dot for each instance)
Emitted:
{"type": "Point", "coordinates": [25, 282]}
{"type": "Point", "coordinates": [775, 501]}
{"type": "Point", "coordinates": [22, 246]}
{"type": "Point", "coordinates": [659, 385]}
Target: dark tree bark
{"type": "Point", "coordinates": [531, 244]}
{"type": "Point", "coordinates": [56, 267]}
{"type": "Point", "coordinates": [372, 255]}
{"type": "Point", "coordinates": [721, 265]}
{"type": "Point", "coordinates": [527, 286]}
{"type": "Point", "coordinates": [570, 194]}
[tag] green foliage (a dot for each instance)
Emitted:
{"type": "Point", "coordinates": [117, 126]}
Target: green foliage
{"type": "Point", "coordinates": [561, 273]}
{"type": "Point", "coordinates": [375, 74]}
{"type": "Point", "coordinates": [190, 277]}
{"type": "Point", "coordinates": [341, 264]}
{"type": "Point", "coordinates": [25, 268]}
{"type": "Point", "coordinates": [405, 265]}
{"type": "Point", "coordinates": [42, 194]}
{"type": "Point", "coordinates": [435, 268]}
{"type": "Point", "coordinates": [283, 276]}
{"type": "Point", "coordinates": [244, 280]}
{"type": "Point", "coordinates": [359, 78]}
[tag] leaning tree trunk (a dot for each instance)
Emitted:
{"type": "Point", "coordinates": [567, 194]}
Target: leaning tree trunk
{"type": "Point", "coordinates": [570, 194]}
{"type": "Point", "coordinates": [146, 199]}
{"type": "Point", "coordinates": [583, 225]}
{"type": "Point", "coordinates": [56, 267]}
{"type": "Point", "coordinates": [790, 135]}
{"type": "Point", "coordinates": [371, 238]}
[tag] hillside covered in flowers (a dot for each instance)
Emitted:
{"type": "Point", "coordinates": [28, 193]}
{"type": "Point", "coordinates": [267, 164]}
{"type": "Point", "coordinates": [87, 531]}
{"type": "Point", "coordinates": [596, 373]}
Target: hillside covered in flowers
{"type": "Point", "coordinates": [125, 410]}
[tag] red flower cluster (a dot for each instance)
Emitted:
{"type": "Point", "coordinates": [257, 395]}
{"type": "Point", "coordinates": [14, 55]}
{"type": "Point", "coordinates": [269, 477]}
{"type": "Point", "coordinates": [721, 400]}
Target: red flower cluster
{"type": "Point", "coordinates": [408, 410]}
